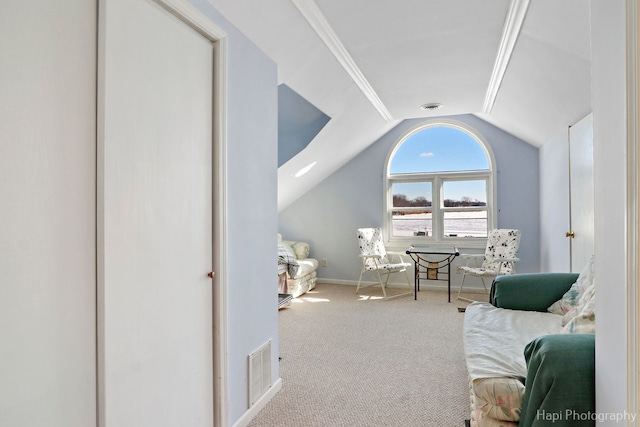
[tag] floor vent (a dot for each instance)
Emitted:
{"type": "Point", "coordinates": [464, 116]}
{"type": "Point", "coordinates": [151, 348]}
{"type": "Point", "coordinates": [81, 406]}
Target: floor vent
{"type": "Point", "coordinates": [259, 372]}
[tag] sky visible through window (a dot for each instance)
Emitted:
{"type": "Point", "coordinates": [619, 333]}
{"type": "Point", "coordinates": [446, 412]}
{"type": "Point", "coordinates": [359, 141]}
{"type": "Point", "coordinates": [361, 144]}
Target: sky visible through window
{"type": "Point", "coordinates": [441, 149]}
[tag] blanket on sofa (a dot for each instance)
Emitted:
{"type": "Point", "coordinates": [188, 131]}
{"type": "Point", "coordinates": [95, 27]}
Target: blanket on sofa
{"type": "Point", "coordinates": [510, 332]}
{"type": "Point", "coordinates": [287, 261]}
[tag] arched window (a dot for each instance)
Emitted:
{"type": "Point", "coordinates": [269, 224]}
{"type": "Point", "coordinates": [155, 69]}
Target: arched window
{"type": "Point", "coordinates": [439, 185]}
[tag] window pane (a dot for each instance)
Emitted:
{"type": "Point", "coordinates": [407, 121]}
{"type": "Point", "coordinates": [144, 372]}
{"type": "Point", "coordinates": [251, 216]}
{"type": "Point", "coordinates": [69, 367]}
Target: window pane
{"type": "Point", "coordinates": [417, 220]}
{"type": "Point", "coordinates": [409, 223]}
{"type": "Point", "coordinates": [439, 149]}
{"type": "Point", "coordinates": [465, 224]}
{"type": "Point", "coordinates": [411, 194]}
{"type": "Point", "coordinates": [465, 193]}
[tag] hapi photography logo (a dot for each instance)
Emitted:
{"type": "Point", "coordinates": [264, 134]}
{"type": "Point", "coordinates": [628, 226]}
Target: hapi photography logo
{"type": "Point", "coordinates": [572, 415]}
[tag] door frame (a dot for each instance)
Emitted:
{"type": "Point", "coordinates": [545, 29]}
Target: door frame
{"type": "Point", "coordinates": [633, 205]}
{"type": "Point", "coordinates": [196, 20]}
{"type": "Point", "coordinates": [218, 38]}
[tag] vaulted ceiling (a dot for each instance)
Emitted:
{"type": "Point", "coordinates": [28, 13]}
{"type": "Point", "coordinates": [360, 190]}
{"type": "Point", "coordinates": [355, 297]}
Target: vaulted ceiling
{"type": "Point", "coordinates": [522, 65]}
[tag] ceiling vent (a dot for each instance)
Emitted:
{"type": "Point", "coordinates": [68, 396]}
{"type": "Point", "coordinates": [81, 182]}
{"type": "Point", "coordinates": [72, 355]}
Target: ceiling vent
{"type": "Point", "coordinates": [431, 106]}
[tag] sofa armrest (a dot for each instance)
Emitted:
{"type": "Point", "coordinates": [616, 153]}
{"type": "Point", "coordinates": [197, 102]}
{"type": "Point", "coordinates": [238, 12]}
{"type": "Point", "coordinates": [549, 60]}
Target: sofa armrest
{"type": "Point", "coordinates": [530, 292]}
{"type": "Point", "coordinates": [560, 383]}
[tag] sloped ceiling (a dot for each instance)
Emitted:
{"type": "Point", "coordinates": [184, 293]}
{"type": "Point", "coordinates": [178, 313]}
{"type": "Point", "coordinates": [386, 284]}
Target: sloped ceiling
{"type": "Point", "coordinates": [369, 64]}
{"type": "Point", "coordinates": [299, 122]}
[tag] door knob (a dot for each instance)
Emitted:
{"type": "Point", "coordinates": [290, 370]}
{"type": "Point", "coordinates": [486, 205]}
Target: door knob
{"type": "Point", "coordinates": [570, 234]}
{"type": "Point", "coordinates": [211, 274]}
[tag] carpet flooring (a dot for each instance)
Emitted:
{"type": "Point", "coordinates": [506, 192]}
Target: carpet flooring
{"type": "Point", "coordinates": [357, 360]}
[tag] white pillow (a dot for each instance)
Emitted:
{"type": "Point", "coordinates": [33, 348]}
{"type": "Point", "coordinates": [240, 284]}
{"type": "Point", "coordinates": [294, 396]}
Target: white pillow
{"type": "Point", "coordinates": [582, 319]}
{"type": "Point", "coordinates": [301, 249]}
{"type": "Point", "coordinates": [572, 297]}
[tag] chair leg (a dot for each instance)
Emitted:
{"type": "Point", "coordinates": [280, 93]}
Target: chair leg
{"type": "Point", "coordinates": [399, 295]}
{"type": "Point", "coordinates": [464, 276]}
{"type": "Point", "coordinates": [360, 279]}
{"type": "Point", "coordinates": [409, 285]}
{"type": "Point", "coordinates": [484, 285]}
{"type": "Point", "coordinates": [383, 285]}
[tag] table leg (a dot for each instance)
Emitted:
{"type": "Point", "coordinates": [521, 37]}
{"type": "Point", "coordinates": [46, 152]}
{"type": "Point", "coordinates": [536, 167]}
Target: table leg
{"type": "Point", "coordinates": [415, 280]}
{"type": "Point", "coordinates": [449, 280]}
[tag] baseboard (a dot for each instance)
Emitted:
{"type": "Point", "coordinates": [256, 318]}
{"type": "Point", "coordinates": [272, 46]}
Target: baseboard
{"type": "Point", "coordinates": [246, 418]}
{"type": "Point", "coordinates": [425, 286]}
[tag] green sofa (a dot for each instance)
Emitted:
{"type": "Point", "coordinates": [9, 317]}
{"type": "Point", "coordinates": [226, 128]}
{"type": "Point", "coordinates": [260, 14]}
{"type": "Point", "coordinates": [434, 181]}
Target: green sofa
{"type": "Point", "coordinates": [560, 383]}
{"type": "Point", "coordinates": [559, 377]}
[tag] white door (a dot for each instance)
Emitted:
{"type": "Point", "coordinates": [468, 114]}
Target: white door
{"type": "Point", "coordinates": [156, 154]}
{"type": "Point", "coordinates": [582, 192]}
{"type": "Point", "coordinates": [555, 216]}
{"type": "Point", "coordinates": [47, 213]}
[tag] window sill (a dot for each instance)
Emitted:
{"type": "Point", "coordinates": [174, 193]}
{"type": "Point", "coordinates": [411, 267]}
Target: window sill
{"type": "Point", "coordinates": [461, 244]}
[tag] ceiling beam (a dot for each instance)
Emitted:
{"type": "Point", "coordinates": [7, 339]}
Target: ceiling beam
{"type": "Point", "coordinates": [510, 32]}
{"type": "Point", "coordinates": [321, 26]}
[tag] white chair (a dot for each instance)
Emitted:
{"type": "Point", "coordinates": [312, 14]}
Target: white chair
{"type": "Point", "coordinates": [499, 258]}
{"type": "Point", "coordinates": [375, 260]}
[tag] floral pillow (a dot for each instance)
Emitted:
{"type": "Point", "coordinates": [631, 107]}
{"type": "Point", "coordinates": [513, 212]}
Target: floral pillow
{"type": "Point", "coordinates": [582, 318]}
{"type": "Point", "coordinates": [572, 297]}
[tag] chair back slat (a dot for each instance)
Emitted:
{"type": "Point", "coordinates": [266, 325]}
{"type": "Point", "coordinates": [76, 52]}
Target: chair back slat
{"type": "Point", "coordinates": [501, 243]}
{"type": "Point", "coordinates": [371, 242]}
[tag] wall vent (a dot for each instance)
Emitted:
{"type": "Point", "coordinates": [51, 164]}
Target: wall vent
{"type": "Point", "coordinates": [259, 372]}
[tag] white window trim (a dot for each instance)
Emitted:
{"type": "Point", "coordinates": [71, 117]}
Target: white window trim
{"type": "Point", "coordinates": [436, 241]}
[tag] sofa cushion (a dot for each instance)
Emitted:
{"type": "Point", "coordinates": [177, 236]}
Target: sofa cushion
{"type": "Point", "coordinates": [306, 266]}
{"type": "Point", "coordinates": [497, 398]}
{"type": "Point", "coordinates": [510, 331]}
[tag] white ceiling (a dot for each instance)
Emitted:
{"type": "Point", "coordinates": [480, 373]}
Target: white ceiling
{"type": "Point", "coordinates": [370, 63]}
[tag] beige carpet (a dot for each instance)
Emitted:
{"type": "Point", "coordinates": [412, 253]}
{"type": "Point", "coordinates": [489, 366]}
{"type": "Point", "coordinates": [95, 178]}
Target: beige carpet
{"type": "Point", "coordinates": [357, 360]}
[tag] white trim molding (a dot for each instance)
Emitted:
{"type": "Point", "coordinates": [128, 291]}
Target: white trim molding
{"type": "Point", "coordinates": [510, 33]}
{"type": "Point", "coordinates": [633, 208]}
{"type": "Point", "coordinates": [312, 13]}
{"type": "Point", "coordinates": [246, 418]}
{"type": "Point", "coordinates": [492, 193]}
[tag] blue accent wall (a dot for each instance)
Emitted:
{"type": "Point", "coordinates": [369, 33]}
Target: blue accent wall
{"type": "Point", "coordinates": [298, 123]}
{"type": "Point", "coordinates": [252, 105]}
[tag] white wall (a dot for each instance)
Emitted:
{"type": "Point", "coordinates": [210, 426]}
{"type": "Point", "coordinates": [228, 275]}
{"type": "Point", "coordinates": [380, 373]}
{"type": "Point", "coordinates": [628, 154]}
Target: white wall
{"type": "Point", "coordinates": [554, 204]}
{"type": "Point", "coordinates": [47, 213]}
{"type": "Point", "coordinates": [609, 134]}
{"type": "Point", "coordinates": [328, 215]}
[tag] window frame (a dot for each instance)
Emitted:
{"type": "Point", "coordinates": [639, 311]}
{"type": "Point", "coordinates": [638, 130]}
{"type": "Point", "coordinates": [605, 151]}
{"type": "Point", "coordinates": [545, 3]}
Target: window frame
{"type": "Point", "coordinates": [437, 179]}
